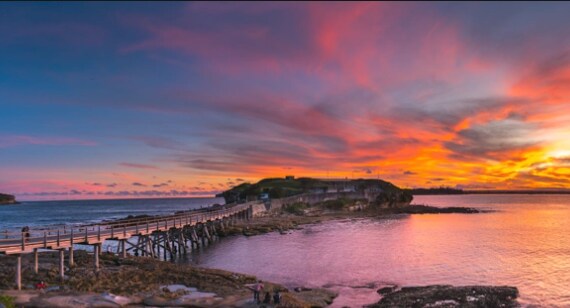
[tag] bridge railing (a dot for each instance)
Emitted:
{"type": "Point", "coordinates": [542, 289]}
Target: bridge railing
{"type": "Point", "coordinates": [112, 229]}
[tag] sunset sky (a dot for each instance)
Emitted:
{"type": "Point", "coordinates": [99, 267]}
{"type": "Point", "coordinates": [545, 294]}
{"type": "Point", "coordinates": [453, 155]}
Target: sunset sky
{"type": "Point", "coordinates": [107, 100]}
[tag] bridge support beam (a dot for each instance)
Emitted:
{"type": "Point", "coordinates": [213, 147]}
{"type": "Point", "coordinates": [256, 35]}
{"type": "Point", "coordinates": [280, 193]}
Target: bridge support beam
{"type": "Point", "coordinates": [71, 260]}
{"type": "Point", "coordinates": [96, 252]}
{"type": "Point", "coordinates": [61, 264]}
{"type": "Point", "coordinates": [123, 246]}
{"type": "Point", "coordinates": [36, 265]}
{"type": "Point", "coordinates": [207, 233]}
{"type": "Point", "coordinates": [19, 272]}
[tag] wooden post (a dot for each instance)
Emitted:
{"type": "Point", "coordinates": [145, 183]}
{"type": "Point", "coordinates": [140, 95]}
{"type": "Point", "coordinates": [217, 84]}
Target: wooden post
{"type": "Point", "coordinates": [61, 265]}
{"type": "Point", "coordinates": [164, 241]}
{"type": "Point", "coordinates": [123, 249]}
{"type": "Point", "coordinates": [19, 272]}
{"type": "Point", "coordinates": [36, 267]}
{"type": "Point", "coordinates": [149, 246]}
{"type": "Point", "coordinates": [96, 248]}
{"type": "Point", "coordinates": [71, 260]}
{"type": "Point", "coordinates": [203, 237]}
{"type": "Point", "coordinates": [155, 247]}
{"type": "Point", "coordinates": [71, 237]}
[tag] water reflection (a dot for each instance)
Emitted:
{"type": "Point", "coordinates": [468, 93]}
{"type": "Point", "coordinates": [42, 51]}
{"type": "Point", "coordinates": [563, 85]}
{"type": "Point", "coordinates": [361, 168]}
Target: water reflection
{"type": "Point", "coordinates": [525, 244]}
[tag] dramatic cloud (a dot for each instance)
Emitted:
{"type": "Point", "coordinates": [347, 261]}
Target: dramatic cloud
{"type": "Point", "coordinates": [212, 94]}
{"type": "Point", "coordinates": [493, 140]}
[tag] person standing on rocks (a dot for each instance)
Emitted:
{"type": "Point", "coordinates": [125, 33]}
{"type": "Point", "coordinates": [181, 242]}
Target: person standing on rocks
{"type": "Point", "coordinates": [256, 290]}
{"type": "Point", "coordinates": [267, 298]}
{"type": "Point", "coordinates": [276, 297]}
{"type": "Point", "coordinates": [41, 286]}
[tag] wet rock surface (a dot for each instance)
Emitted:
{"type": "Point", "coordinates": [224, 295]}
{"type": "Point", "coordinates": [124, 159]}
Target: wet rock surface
{"type": "Point", "coordinates": [450, 296]}
{"type": "Point", "coordinates": [386, 290]}
{"type": "Point", "coordinates": [142, 281]}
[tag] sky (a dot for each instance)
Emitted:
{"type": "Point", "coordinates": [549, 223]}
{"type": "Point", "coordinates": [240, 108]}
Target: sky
{"type": "Point", "coordinates": [179, 99]}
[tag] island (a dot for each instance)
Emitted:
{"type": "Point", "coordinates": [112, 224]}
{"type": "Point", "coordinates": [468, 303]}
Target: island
{"type": "Point", "coordinates": [375, 192]}
{"type": "Point", "coordinates": [7, 199]}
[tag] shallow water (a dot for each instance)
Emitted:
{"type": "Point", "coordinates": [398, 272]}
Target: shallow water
{"type": "Point", "coordinates": [526, 244]}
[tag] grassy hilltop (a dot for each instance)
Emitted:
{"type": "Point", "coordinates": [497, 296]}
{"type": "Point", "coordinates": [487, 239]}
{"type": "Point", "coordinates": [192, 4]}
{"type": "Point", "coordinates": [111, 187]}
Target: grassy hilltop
{"type": "Point", "coordinates": [285, 187]}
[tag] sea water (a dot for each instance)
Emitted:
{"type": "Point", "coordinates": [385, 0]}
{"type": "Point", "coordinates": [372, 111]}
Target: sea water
{"type": "Point", "coordinates": [525, 243]}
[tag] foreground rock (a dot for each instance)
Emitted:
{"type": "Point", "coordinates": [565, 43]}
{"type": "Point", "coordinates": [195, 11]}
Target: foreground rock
{"type": "Point", "coordinates": [450, 296]}
{"type": "Point", "coordinates": [141, 281]}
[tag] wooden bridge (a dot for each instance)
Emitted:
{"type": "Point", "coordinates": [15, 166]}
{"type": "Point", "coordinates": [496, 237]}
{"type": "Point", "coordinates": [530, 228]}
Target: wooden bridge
{"type": "Point", "coordinates": [149, 236]}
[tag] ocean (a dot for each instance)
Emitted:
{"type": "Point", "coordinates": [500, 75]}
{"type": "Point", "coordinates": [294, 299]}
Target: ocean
{"type": "Point", "coordinates": [524, 243]}
{"type": "Point", "coordinates": [52, 213]}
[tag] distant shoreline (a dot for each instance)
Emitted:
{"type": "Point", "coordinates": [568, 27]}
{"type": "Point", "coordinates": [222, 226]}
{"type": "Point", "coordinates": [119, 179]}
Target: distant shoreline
{"type": "Point", "coordinates": [496, 192]}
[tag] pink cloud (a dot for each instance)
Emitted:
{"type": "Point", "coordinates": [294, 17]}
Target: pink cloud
{"type": "Point", "coordinates": [139, 166]}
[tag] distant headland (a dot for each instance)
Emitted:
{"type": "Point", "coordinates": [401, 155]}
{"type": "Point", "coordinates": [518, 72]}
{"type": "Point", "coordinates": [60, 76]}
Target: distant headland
{"type": "Point", "coordinates": [7, 199]}
{"type": "Point", "coordinates": [455, 191]}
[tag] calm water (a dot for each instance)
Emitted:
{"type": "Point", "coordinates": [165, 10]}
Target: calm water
{"type": "Point", "coordinates": [46, 213]}
{"type": "Point", "coordinates": [525, 244]}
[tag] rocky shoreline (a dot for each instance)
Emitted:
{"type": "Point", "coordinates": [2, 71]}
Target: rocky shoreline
{"type": "Point", "coordinates": [282, 221]}
{"type": "Point", "coordinates": [141, 281]}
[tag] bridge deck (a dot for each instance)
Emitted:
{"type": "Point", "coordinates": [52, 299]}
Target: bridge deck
{"type": "Point", "coordinates": [65, 237]}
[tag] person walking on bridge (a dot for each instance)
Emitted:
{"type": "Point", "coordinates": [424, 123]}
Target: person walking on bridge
{"type": "Point", "coordinates": [26, 233]}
